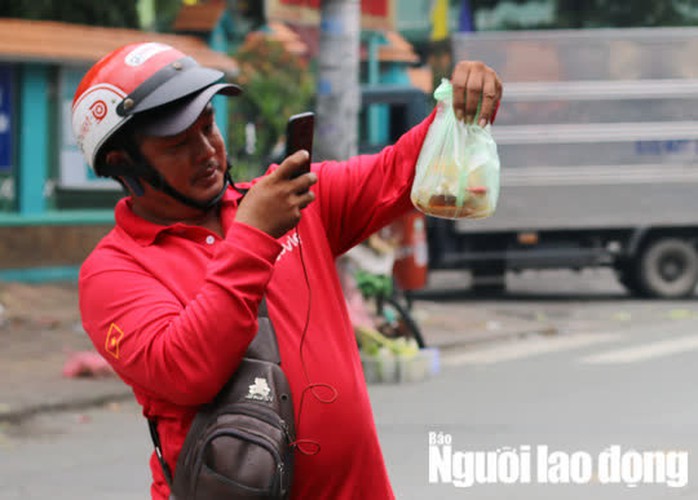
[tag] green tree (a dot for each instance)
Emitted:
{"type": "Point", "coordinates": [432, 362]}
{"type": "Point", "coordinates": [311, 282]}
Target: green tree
{"type": "Point", "coordinates": [114, 13]}
{"type": "Point", "coordinates": [625, 14]}
{"type": "Point", "coordinates": [485, 4]}
{"type": "Point", "coordinates": [611, 13]}
{"type": "Point", "coordinates": [165, 14]}
{"type": "Point", "coordinates": [277, 85]}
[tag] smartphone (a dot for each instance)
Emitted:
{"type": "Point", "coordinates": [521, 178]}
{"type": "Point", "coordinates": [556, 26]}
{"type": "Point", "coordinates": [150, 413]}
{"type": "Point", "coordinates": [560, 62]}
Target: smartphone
{"type": "Point", "coordinates": [299, 135]}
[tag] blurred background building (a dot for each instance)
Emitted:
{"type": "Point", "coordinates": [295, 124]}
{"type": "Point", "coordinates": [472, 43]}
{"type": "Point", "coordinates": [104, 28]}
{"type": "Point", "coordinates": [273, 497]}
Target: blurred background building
{"type": "Point", "coordinates": [53, 209]}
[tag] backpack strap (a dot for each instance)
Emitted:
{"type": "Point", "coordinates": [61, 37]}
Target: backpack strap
{"type": "Point", "coordinates": [264, 347]}
{"type": "Point", "coordinates": [153, 427]}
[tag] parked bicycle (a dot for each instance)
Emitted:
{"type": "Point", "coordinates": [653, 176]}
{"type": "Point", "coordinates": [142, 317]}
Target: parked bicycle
{"type": "Point", "coordinates": [392, 308]}
{"type": "Point", "coordinates": [373, 298]}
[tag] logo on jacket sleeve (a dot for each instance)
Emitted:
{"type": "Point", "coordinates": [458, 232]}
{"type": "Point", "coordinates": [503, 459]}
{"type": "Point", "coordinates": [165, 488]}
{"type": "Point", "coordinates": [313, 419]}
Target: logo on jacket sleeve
{"type": "Point", "coordinates": [113, 341]}
{"type": "Point", "coordinates": [260, 390]}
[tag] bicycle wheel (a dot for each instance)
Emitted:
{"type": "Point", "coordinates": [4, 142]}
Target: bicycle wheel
{"type": "Point", "coordinates": [401, 318]}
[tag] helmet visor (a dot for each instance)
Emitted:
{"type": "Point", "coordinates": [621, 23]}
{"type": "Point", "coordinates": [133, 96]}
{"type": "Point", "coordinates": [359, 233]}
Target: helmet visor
{"type": "Point", "coordinates": [177, 116]}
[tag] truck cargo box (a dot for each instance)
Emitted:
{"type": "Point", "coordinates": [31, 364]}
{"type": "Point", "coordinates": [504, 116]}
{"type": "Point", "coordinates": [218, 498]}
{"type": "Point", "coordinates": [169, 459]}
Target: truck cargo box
{"type": "Point", "coordinates": [598, 141]}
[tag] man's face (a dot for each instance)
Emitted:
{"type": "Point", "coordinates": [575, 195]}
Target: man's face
{"type": "Point", "coordinates": [193, 162]}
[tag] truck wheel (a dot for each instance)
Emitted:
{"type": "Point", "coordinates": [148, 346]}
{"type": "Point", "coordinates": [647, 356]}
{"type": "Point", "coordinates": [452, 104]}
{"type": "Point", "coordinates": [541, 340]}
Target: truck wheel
{"type": "Point", "coordinates": [668, 268]}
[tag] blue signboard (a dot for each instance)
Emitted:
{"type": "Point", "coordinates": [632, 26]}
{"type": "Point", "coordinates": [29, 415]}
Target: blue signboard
{"type": "Point", "coordinates": [6, 97]}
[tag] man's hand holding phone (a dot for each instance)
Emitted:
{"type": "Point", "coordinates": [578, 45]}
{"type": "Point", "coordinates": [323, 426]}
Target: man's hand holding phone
{"type": "Point", "coordinates": [299, 136]}
{"type": "Point", "coordinates": [274, 203]}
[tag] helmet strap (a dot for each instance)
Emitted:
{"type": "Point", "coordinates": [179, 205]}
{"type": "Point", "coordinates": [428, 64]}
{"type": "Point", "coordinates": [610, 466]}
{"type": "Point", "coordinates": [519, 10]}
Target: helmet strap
{"type": "Point", "coordinates": [157, 181]}
{"type": "Point", "coordinates": [140, 169]}
{"type": "Point", "coordinates": [133, 184]}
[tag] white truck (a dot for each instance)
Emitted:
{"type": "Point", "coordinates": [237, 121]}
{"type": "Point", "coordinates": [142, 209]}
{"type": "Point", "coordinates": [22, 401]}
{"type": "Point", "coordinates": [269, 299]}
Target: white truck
{"type": "Point", "coordinates": [598, 142]}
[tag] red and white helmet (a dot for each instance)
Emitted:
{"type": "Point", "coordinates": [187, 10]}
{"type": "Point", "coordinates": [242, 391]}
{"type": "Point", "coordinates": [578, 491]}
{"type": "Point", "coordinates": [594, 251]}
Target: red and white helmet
{"type": "Point", "coordinates": [130, 80]}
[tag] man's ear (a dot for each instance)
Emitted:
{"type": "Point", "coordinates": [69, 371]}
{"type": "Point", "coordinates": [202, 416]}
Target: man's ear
{"type": "Point", "coordinates": [118, 157]}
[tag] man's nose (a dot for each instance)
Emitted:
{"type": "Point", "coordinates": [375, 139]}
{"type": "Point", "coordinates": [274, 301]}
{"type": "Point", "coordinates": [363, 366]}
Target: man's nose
{"type": "Point", "coordinates": [204, 146]}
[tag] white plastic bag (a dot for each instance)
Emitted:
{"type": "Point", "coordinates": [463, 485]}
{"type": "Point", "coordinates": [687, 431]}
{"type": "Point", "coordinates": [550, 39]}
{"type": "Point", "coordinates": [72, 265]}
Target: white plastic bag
{"type": "Point", "coordinates": [457, 174]}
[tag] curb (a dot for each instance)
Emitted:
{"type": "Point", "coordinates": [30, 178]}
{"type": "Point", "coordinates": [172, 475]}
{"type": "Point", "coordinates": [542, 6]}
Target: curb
{"type": "Point", "coordinates": [448, 342]}
{"type": "Point", "coordinates": [17, 415]}
{"type": "Point", "coordinates": [477, 339]}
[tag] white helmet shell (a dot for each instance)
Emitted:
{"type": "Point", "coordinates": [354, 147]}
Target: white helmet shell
{"type": "Point", "coordinates": [127, 81]}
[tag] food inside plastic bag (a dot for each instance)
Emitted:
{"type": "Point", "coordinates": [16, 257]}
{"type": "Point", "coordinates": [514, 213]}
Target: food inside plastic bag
{"type": "Point", "coordinates": [457, 174]}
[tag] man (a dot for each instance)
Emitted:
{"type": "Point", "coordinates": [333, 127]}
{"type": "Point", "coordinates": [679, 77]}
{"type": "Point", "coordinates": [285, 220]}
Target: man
{"type": "Point", "coordinates": [170, 295]}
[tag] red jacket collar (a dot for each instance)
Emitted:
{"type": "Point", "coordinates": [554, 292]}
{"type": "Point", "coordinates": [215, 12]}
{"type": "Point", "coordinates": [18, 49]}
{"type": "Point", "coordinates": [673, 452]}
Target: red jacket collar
{"type": "Point", "coordinates": [145, 232]}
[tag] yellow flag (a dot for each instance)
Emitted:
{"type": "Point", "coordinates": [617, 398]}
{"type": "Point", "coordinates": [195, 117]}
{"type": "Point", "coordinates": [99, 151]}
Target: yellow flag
{"type": "Point", "coordinates": [439, 20]}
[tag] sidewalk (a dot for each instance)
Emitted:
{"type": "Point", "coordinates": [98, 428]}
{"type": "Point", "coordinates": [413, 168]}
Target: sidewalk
{"type": "Point", "coordinates": [40, 327]}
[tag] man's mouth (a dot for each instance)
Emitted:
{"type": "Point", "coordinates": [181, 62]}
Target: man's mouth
{"type": "Point", "coordinates": [207, 173]}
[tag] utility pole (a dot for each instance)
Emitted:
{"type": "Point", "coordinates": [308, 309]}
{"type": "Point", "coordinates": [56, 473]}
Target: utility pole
{"type": "Point", "coordinates": [338, 96]}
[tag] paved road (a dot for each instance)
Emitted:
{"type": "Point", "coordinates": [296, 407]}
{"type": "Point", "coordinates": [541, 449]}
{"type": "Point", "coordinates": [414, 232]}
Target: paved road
{"type": "Point", "coordinates": [578, 393]}
{"type": "Point", "coordinates": [98, 454]}
{"type": "Point", "coordinates": [611, 372]}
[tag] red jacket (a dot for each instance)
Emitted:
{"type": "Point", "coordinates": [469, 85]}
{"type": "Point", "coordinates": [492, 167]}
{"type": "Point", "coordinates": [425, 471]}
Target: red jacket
{"type": "Point", "coordinates": [173, 309]}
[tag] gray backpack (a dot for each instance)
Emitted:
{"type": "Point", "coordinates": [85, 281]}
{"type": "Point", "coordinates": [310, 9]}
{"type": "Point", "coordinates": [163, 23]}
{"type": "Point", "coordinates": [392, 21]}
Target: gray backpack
{"type": "Point", "coordinates": [240, 445]}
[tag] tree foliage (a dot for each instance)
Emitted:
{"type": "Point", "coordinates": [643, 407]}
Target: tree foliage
{"type": "Point", "coordinates": [166, 12]}
{"type": "Point", "coordinates": [609, 13]}
{"type": "Point", "coordinates": [277, 85]}
{"type": "Point", "coordinates": [625, 14]}
{"type": "Point", "coordinates": [486, 4]}
{"type": "Point", "coordinates": [114, 13]}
